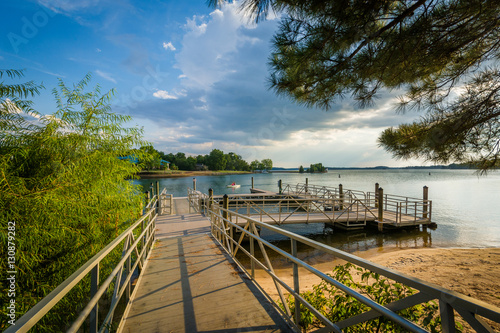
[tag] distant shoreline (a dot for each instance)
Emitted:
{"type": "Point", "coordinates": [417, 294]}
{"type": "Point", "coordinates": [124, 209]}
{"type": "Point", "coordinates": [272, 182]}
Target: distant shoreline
{"type": "Point", "coordinates": [181, 173]}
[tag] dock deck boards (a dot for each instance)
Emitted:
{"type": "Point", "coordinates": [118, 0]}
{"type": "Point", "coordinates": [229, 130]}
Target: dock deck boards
{"type": "Point", "coordinates": [191, 285]}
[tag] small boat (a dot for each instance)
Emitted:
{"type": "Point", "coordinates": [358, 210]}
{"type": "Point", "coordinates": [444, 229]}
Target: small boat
{"type": "Point", "coordinates": [233, 186]}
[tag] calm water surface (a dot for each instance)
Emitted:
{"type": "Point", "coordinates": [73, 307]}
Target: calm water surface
{"type": "Point", "coordinates": [465, 206]}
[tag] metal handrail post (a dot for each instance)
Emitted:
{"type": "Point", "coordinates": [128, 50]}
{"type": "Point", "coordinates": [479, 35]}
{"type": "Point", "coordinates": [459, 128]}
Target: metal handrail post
{"type": "Point", "coordinates": [296, 286]}
{"type": "Point", "coordinates": [94, 287]}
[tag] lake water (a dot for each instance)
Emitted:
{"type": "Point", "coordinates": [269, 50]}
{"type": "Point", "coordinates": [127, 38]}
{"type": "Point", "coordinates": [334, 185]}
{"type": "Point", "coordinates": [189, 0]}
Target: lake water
{"type": "Point", "coordinates": [465, 206]}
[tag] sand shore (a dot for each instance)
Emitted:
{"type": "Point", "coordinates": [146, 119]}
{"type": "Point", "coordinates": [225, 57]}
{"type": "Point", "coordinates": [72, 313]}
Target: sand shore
{"type": "Point", "coordinates": [472, 272]}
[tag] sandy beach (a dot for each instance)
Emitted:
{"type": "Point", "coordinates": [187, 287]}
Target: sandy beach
{"type": "Point", "coordinates": [471, 272]}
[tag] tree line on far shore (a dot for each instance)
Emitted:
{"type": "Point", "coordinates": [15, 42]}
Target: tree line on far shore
{"type": "Point", "coordinates": [216, 160]}
{"type": "Point", "coordinates": [318, 167]}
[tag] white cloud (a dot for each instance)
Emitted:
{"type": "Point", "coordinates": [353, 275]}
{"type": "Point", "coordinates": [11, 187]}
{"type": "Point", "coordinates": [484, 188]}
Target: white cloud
{"type": "Point", "coordinates": [169, 46]}
{"type": "Point", "coordinates": [64, 6]}
{"type": "Point", "coordinates": [226, 103]}
{"type": "Point", "coordinates": [105, 76]}
{"type": "Point", "coordinates": [210, 45]}
{"type": "Point", "coordinates": [163, 94]}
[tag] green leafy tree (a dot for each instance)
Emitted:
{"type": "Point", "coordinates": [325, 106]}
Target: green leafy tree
{"type": "Point", "coordinates": [64, 186]}
{"type": "Point", "coordinates": [242, 165]}
{"type": "Point", "coordinates": [216, 160]}
{"type": "Point", "coordinates": [326, 50]}
{"type": "Point", "coordinates": [267, 164]}
{"type": "Point", "coordinates": [254, 165]}
{"type": "Point", "coordinates": [301, 169]}
{"type": "Point", "coordinates": [151, 158]}
{"type": "Point", "coordinates": [190, 163]}
{"type": "Point", "coordinates": [318, 167]}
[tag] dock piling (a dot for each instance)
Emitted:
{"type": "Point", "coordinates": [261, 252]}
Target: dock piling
{"type": "Point", "coordinates": [341, 197]}
{"type": "Point", "coordinates": [225, 205]}
{"type": "Point", "coordinates": [210, 197]}
{"type": "Point", "coordinates": [380, 208]}
{"type": "Point", "coordinates": [376, 195]}
{"type": "Point", "coordinates": [194, 184]}
{"type": "Point", "coordinates": [252, 181]}
{"type": "Point", "coordinates": [425, 197]}
{"type": "Point", "coordinates": [279, 186]}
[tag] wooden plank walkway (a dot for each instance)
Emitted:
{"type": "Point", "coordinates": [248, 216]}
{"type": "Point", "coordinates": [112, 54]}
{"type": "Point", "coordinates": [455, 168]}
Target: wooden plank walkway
{"type": "Point", "coordinates": [191, 285]}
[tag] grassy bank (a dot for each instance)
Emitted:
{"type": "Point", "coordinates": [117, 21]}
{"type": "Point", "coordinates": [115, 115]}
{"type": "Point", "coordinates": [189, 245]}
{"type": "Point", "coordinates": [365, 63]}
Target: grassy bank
{"type": "Point", "coordinates": [180, 173]}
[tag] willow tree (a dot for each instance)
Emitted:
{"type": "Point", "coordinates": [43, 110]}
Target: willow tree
{"type": "Point", "coordinates": [440, 53]}
{"type": "Point", "coordinates": [63, 186]}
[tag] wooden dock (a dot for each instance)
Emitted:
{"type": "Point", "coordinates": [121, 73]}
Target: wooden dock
{"type": "Point", "coordinates": [190, 284]}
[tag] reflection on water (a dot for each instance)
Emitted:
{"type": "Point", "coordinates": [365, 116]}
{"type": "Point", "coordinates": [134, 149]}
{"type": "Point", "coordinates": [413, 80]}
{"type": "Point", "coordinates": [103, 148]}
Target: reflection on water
{"type": "Point", "coordinates": [347, 241]}
{"type": "Point", "coordinates": [464, 206]}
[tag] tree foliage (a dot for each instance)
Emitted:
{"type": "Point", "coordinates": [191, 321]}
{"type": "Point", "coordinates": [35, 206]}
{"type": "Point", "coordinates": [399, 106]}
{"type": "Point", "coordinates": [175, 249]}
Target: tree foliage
{"type": "Point", "coordinates": [63, 186]}
{"type": "Point", "coordinates": [327, 50]}
{"type": "Point", "coordinates": [318, 167]}
{"type": "Point", "coordinates": [216, 160]}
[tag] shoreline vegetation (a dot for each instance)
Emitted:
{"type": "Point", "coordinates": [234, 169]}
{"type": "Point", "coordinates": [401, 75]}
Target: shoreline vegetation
{"type": "Point", "coordinates": [146, 174]}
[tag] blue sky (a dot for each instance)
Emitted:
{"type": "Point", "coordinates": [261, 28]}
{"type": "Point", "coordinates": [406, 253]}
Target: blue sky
{"type": "Point", "coordinates": [195, 78]}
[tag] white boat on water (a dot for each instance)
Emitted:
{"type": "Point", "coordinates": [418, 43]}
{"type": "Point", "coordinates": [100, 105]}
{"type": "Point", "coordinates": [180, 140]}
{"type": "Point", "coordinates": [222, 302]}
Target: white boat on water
{"type": "Point", "coordinates": [233, 186]}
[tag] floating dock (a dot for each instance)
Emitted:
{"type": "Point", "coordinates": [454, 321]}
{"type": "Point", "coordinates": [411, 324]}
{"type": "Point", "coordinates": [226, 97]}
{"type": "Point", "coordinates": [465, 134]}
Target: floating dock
{"type": "Point", "coordinates": [333, 206]}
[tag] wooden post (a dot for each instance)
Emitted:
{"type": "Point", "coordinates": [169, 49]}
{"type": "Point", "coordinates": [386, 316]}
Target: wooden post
{"type": "Point", "coordinates": [210, 198]}
{"type": "Point", "coordinates": [252, 181]}
{"type": "Point", "coordinates": [148, 197]}
{"type": "Point", "coordinates": [376, 195]}
{"type": "Point", "coordinates": [341, 196]}
{"type": "Point", "coordinates": [279, 186]}
{"type": "Point", "coordinates": [380, 208]}
{"type": "Point", "coordinates": [225, 205]}
{"type": "Point", "coordinates": [307, 185]}
{"type": "Point", "coordinates": [194, 184]}
{"type": "Point", "coordinates": [426, 197]}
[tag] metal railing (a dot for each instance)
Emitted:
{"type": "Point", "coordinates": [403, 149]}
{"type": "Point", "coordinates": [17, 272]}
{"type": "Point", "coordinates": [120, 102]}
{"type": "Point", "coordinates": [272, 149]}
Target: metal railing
{"type": "Point", "coordinates": [137, 241]}
{"type": "Point", "coordinates": [403, 207]}
{"type": "Point", "coordinates": [323, 192]}
{"type": "Point", "coordinates": [166, 203]}
{"type": "Point", "coordinates": [196, 200]}
{"type": "Point", "coordinates": [279, 210]}
{"type": "Point", "coordinates": [225, 230]}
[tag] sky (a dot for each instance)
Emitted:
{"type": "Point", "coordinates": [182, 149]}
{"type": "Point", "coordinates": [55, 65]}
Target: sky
{"type": "Point", "coordinates": [195, 78]}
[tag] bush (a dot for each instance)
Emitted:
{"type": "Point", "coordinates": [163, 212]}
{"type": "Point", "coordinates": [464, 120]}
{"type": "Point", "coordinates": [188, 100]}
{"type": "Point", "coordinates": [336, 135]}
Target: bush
{"type": "Point", "coordinates": [336, 305]}
{"type": "Point", "coordinates": [63, 185]}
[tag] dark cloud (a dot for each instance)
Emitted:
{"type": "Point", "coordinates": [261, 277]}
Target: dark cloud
{"type": "Point", "coordinates": [226, 101]}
